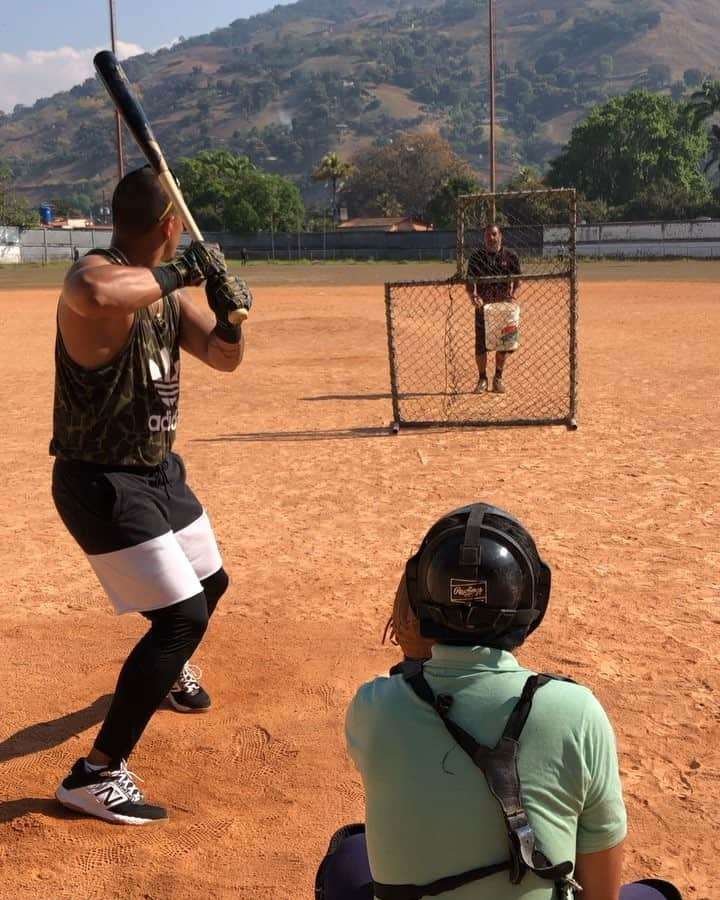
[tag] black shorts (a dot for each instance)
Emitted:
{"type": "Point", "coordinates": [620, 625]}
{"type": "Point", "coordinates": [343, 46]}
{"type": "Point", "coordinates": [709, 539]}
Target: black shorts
{"type": "Point", "coordinates": [143, 530]}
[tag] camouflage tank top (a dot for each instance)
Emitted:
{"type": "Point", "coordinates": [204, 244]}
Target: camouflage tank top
{"type": "Point", "coordinates": [124, 412]}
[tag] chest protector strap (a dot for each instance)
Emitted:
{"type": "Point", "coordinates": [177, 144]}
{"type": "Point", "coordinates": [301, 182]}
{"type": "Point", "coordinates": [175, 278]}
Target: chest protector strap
{"type": "Point", "coordinates": [499, 766]}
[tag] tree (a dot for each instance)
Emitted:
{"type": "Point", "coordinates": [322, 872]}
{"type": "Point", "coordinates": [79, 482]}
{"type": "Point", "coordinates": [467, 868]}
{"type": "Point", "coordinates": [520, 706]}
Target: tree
{"type": "Point", "coordinates": [442, 208]}
{"type": "Point", "coordinates": [706, 104]}
{"type": "Point", "coordinates": [14, 212]}
{"type": "Point", "coordinates": [228, 193]}
{"type": "Point", "coordinates": [336, 170]}
{"type": "Point", "coordinates": [538, 210]}
{"type": "Point", "coordinates": [663, 200]}
{"type": "Point", "coordinates": [630, 142]}
{"type": "Point", "coordinates": [693, 77]}
{"type": "Point", "coordinates": [706, 100]}
{"type": "Point", "coordinates": [411, 168]}
{"type": "Point", "coordinates": [389, 205]}
{"type": "Point", "coordinates": [658, 75]}
{"type": "Point", "coordinates": [548, 62]}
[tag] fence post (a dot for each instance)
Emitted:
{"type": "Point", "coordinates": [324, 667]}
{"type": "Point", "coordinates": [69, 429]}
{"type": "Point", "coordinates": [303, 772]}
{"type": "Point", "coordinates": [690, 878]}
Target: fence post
{"type": "Point", "coordinates": [45, 249]}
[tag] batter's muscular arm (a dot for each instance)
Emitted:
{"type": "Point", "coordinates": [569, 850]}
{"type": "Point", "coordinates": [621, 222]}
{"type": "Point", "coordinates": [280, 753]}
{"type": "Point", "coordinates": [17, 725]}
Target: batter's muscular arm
{"type": "Point", "coordinates": [96, 289]}
{"type": "Point", "coordinates": [199, 340]}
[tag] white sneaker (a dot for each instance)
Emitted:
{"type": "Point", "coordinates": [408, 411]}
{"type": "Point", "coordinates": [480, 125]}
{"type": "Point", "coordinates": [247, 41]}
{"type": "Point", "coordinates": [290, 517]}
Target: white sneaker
{"type": "Point", "coordinates": [111, 795]}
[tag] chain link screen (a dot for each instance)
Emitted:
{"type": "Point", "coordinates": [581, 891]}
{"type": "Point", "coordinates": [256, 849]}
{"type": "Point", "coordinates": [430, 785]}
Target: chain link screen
{"type": "Point", "coordinates": [432, 330]}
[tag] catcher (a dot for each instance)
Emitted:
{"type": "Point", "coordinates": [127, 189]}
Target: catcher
{"type": "Point", "coordinates": [122, 319]}
{"type": "Point", "coordinates": [496, 328]}
{"type": "Point", "coordinates": [483, 780]}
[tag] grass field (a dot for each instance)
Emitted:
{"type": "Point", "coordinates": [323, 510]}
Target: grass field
{"type": "Point", "coordinates": [316, 508]}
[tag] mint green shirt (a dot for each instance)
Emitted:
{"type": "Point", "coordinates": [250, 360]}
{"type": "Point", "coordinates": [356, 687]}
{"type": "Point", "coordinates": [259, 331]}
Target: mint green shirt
{"type": "Point", "coordinates": [429, 811]}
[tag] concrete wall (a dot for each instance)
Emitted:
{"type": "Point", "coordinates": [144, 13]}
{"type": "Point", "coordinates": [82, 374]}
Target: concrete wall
{"type": "Point", "coordinates": [628, 240]}
{"type": "Point", "coordinates": [41, 245]}
{"type": "Point", "coordinates": [640, 240]}
{"type": "Point", "coordinates": [45, 245]}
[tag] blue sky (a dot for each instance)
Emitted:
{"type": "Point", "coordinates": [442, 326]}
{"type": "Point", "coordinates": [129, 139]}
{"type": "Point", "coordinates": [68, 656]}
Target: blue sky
{"type": "Point", "coordinates": [47, 46]}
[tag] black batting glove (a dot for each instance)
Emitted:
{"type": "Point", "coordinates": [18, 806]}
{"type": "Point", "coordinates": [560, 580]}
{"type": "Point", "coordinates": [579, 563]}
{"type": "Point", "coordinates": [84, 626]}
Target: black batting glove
{"type": "Point", "coordinates": [198, 262]}
{"type": "Point", "coordinates": [190, 268]}
{"type": "Point", "coordinates": [226, 295]}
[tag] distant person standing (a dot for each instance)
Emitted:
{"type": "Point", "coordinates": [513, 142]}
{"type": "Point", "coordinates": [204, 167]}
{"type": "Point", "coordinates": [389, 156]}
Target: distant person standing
{"type": "Point", "coordinates": [491, 258]}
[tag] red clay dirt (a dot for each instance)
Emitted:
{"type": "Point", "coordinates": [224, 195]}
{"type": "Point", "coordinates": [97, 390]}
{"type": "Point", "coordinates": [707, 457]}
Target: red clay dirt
{"type": "Point", "coordinates": [316, 508]}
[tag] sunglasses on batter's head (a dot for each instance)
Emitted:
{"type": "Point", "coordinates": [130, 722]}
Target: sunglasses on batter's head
{"type": "Point", "coordinates": [165, 214]}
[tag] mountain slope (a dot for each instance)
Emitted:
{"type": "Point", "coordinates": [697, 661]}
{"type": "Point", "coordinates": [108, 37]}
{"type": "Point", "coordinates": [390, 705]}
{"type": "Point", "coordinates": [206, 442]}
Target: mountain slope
{"type": "Point", "coordinates": [289, 85]}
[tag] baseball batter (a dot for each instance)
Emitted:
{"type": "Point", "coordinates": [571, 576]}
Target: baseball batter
{"type": "Point", "coordinates": [122, 493]}
{"type": "Point", "coordinates": [492, 258]}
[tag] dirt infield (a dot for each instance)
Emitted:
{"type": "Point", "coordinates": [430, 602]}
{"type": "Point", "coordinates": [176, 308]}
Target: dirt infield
{"type": "Point", "coordinates": [316, 507]}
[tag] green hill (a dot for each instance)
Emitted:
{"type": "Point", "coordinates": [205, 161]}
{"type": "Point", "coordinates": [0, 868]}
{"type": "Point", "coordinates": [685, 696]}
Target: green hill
{"type": "Point", "coordinates": [290, 84]}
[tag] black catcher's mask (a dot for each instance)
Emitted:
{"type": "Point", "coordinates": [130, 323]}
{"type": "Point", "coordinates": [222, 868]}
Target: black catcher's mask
{"type": "Point", "coordinates": [478, 579]}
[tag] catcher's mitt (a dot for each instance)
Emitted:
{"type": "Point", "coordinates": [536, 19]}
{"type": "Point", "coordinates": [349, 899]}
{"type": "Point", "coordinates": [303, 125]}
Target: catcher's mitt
{"type": "Point", "coordinates": [403, 628]}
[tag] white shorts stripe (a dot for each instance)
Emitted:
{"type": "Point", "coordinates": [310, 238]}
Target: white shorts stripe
{"type": "Point", "coordinates": [160, 572]}
{"type": "Point", "coordinates": [199, 546]}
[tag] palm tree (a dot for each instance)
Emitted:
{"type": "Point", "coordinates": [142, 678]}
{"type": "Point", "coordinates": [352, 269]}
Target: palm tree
{"type": "Point", "coordinates": [334, 169]}
{"type": "Point", "coordinates": [706, 100]}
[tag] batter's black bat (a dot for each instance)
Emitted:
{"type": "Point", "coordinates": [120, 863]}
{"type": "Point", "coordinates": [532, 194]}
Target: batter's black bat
{"type": "Point", "coordinates": [127, 104]}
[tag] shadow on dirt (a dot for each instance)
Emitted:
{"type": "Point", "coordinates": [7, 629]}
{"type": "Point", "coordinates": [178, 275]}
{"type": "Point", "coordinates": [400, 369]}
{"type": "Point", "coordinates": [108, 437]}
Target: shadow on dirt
{"type": "Point", "coordinates": [44, 735]}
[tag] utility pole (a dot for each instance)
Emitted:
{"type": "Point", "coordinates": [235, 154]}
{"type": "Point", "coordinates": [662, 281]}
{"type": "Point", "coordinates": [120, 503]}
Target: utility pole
{"type": "Point", "coordinates": [491, 81]}
{"type": "Point", "coordinates": [118, 125]}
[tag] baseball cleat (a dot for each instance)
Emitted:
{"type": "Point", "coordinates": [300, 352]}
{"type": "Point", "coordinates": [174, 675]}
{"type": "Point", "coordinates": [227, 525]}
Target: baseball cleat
{"type": "Point", "coordinates": [187, 694]}
{"type": "Point", "coordinates": [110, 795]}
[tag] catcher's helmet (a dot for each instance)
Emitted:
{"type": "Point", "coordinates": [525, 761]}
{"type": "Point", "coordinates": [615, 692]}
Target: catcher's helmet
{"type": "Point", "coordinates": [478, 579]}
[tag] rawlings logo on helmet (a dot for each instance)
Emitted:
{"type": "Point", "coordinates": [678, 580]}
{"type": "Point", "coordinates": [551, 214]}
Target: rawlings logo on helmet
{"type": "Point", "coordinates": [464, 591]}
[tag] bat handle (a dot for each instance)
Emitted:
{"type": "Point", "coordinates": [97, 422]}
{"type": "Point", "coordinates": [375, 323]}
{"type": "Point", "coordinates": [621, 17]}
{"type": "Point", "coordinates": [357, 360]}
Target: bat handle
{"type": "Point", "coordinates": [237, 316]}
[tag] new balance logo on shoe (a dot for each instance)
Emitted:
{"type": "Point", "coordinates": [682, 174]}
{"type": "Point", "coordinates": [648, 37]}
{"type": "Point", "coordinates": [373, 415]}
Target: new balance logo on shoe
{"type": "Point", "coordinates": [111, 795]}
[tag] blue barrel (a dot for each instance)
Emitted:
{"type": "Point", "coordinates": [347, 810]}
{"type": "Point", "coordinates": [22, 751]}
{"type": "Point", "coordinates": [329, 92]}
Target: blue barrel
{"type": "Point", "coordinates": [46, 214]}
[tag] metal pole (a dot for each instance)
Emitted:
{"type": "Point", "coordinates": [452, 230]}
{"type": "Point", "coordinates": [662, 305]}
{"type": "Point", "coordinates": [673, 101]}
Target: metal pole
{"type": "Point", "coordinates": [460, 238]}
{"type": "Point", "coordinates": [118, 126]}
{"type": "Point", "coordinates": [572, 420]}
{"type": "Point", "coordinates": [491, 63]}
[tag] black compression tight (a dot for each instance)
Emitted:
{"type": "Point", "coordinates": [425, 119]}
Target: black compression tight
{"type": "Point", "coordinates": [153, 666]}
